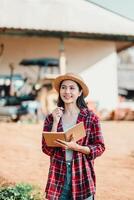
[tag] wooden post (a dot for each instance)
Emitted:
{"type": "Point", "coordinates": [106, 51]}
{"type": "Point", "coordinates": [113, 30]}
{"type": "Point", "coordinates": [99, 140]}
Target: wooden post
{"type": "Point", "coordinates": [62, 60]}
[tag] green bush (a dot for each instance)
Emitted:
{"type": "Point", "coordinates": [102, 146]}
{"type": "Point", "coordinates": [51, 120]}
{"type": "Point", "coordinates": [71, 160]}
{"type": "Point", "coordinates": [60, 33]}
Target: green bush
{"type": "Point", "coordinates": [20, 192]}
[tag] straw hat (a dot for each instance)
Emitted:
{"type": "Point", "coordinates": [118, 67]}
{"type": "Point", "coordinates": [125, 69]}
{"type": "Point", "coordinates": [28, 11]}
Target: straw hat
{"type": "Point", "coordinates": [73, 77]}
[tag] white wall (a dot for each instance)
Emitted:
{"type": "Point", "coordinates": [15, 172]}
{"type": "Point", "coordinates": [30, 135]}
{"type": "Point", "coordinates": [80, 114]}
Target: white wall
{"type": "Point", "coordinates": [102, 82]}
{"type": "Point", "coordinates": [94, 60]}
{"type": "Point", "coordinates": [97, 63]}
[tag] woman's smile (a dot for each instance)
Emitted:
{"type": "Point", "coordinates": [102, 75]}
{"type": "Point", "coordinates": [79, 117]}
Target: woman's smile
{"type": "Point", "coordinates": [67, 96]}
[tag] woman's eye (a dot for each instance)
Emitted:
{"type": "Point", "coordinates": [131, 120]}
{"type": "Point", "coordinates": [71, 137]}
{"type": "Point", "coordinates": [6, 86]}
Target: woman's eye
{"type": "Point", "coordinates": [72, 88]}
{"type": "Point", "coordinates": [62, 87]}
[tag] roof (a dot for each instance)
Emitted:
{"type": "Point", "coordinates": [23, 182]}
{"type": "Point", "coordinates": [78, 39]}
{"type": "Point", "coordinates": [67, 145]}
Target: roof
{"type": "Point", "coordinates": [78, 16]}
{"type": "Point", "coordinates": [40, 62]}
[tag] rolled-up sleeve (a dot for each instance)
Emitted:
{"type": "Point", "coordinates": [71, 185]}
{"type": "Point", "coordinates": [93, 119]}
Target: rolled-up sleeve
{"type": "Point", "coordinates": [96, 141]}
{"type": "Point", "coordinates": [47, 127]}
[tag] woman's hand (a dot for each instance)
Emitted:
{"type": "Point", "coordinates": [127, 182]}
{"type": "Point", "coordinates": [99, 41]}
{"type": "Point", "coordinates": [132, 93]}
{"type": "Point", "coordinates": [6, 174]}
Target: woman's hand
{"type": "Point", "coordinates": [68, 145]}
{"type": "Point", "coordinates": [57, 114]}
{"type": "Point", "coordinates": [73, 146]}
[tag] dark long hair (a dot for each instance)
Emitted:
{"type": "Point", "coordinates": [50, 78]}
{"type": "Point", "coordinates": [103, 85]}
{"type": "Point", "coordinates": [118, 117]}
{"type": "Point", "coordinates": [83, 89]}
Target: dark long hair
{"type": "Point", "coordinates": [80, 102]}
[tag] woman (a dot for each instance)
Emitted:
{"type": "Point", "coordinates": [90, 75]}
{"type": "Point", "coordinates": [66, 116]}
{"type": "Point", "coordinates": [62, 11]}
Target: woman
{"type": "Point", "coordinates": [71, 173]}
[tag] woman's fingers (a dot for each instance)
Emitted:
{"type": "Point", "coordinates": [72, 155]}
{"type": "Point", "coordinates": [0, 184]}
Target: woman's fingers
{"type": "Point", "coordinates": [71, 138]}
{"type": "Point", "coordinates": [61, 143]}
{"type": "Point", "coordinates": [57, 113]}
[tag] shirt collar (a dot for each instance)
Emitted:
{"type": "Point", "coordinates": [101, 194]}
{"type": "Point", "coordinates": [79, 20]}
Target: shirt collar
{"type": "Point", "coordinates": [84, 112]}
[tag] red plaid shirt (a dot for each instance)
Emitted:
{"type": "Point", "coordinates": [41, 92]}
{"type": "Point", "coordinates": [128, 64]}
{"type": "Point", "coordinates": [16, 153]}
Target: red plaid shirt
{"type": "Point", "coordinates": [83, 175]}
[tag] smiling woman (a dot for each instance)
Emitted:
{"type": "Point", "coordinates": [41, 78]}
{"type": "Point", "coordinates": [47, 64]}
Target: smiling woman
{"type": "Point", "coordinates": [71, 173]}
{"type": "Point", "coordinates": [69, 91]}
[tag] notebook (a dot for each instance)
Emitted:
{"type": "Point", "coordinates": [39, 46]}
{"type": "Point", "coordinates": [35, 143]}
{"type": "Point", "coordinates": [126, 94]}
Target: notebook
{"type": "Point", "coordinates": [77, 132]}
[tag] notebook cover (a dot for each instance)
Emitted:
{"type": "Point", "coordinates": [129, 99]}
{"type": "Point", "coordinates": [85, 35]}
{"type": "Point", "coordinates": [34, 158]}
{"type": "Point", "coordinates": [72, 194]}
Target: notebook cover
{"type": "Point", "coordinates": [77, 131]}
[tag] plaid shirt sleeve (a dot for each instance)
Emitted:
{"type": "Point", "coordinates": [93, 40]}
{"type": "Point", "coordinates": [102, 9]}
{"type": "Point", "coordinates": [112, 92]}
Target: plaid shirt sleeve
{"type": "Point", "coordinates": [96, 141]}
{"type": "Point", "coordinates": [47, 127]}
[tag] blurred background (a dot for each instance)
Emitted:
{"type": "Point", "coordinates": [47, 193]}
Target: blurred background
{"type": "Point", "coordinates": [95, 41]}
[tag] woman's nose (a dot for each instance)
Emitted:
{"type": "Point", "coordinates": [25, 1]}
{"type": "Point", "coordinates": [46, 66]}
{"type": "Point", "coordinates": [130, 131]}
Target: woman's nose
{"type": "Point", "coordinates": [67, 90]}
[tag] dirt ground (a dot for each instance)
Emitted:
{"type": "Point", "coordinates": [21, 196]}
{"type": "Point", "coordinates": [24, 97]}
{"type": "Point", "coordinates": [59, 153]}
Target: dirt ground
{"type": "Point", "coordinates": [21, 159]}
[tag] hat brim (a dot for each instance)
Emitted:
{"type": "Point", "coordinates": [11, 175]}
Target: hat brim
{"type": "Point", "coordinates": [61, 78]}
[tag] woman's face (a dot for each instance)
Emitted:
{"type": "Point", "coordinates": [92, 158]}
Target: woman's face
{"type": "Point", "coordinates": [69, 91]}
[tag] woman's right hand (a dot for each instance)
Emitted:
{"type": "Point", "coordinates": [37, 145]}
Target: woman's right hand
{"type": "Point", "coordinates": [57, 114]}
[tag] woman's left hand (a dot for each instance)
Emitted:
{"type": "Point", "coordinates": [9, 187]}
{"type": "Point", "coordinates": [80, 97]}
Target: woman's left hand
{"type": "Point", "coordinates": [73, 146]}
{"type": "Point", "coordinates": [68, 145]}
